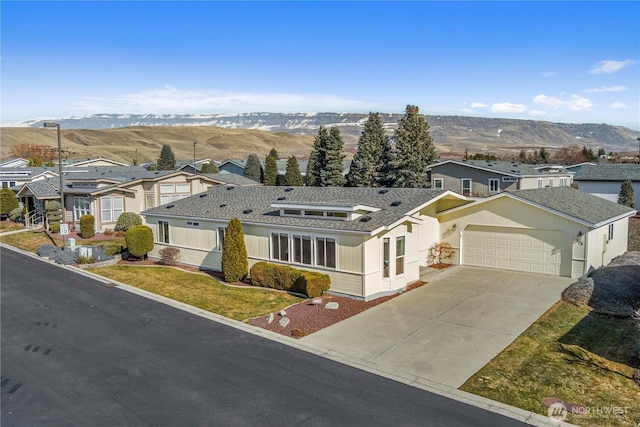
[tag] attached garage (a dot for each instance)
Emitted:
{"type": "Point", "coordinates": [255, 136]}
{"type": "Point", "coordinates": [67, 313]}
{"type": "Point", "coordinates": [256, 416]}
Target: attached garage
{"type": "Point", "coordinates": [518, 249]}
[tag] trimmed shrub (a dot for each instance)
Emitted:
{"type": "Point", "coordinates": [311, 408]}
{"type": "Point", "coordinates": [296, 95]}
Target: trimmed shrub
{"type": "Point", "coordinates": [113, 248]}
{"type": "Point", "coordinates": [235, 264]}
{"type": "Point", "coordinates": [16, 215]}
{"type": "Point", "coordinates": [169, 256]}
{"type": "Point", "coordinates": [127, 220]}
{"type": "Point", "coordinates": [8, 201]}
{"type": "Point", "coordinates": [87, 226]}
{"type": "Point", "coordinates": [286, 278]}
{"type": "Point", "coordinates": [139, 240]}
{"type": "Point", "coordinates": [54, 227]}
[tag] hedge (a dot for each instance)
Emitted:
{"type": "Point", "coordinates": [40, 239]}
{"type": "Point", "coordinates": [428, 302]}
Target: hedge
{"type": "Point", "coordinates": [286, 278]}
{"type": "Point", "coordinates": [139, 240]}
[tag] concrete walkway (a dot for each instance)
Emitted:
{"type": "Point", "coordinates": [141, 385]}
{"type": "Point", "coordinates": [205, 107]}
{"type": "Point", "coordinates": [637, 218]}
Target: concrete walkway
{"type": "Point", "coordinates": [448, 329]}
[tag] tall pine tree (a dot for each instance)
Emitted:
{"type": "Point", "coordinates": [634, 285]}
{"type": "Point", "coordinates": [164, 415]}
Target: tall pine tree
{"type": "Point", "coordinates": [271, 168]}
{"type": "Point", "coordinates": [317, 159]}
{"type": "Point", "coordinates": [368, 167]}
{"type": "Point", "coordinates": [413, 151]}
{"type": "Point", "coordinates": [167, 160]}
{"type": "Point", "coordinates": [331, 172]}
{"type": "Point", "coordinates": [253, 168]}
{"type": "Point", "coordinates": [292, 176]}
{"type": "Point", "coordinates": [626, 196]}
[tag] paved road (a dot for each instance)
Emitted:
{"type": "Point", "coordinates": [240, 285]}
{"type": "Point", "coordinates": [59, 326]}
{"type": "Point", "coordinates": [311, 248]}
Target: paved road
{"type": "Point", "coordinates": [78, 352]}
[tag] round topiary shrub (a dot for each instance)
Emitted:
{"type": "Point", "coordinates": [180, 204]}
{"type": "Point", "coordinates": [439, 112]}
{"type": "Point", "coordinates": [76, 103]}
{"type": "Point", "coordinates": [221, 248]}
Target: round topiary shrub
{"type": "Point", "coordinates": [16, 215]}
{"type": "Point", "coordinates": [139, 240]}
{"type": "Point", "coordinates": [87, 226]}
{"type": "Point", "coordinates": [127, 220]}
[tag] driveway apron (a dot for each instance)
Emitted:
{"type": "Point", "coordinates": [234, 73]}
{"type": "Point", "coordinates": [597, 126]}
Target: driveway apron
{"type": "Point", "coordinates": [447, 330]}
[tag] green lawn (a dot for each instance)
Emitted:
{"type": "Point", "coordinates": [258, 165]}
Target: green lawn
{"type": "Point", "coordinates": [200, 290]}
{"type": "Point", "coordinates": [571, 354]}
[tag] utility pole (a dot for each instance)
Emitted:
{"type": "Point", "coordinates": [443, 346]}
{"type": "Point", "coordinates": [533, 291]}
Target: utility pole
{"type": "Point", "coordinates": [194, 154]}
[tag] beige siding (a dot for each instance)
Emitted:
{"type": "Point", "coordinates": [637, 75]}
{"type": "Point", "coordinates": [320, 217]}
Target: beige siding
{"type": "Point", "coordinates": [350, 253]}
{"type": "Point", "coordinates": [257, 241]}
{"type": "Point", "coordinates": [601, 250]}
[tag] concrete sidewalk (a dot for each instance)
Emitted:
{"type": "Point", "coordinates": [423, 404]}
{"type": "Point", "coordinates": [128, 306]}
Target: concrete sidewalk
{"type": "Point", "coordinates": [448, 329]}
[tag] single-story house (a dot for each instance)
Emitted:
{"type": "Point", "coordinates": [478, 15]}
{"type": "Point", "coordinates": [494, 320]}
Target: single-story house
{"type": "Point", "coordinates": [605, 180]}
{"type": "Point", "coordinates": [14, 163]}
{"type": "Point", "coordinates": [106, 192]}
{"type": "Point", "coordinates": [482, 178]}
{"type": "Point", "coordinates": [372, 241]}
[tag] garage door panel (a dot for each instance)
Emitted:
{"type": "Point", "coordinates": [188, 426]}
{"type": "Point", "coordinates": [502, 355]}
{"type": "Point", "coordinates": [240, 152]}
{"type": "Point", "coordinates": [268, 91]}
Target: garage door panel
{"type": "Point", "coordinates": [534, 251]}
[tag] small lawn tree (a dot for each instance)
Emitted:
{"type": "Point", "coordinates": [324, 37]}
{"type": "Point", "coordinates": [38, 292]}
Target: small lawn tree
{"type": "Point", "coordinates": [8, 202]}
{"type": "Point", "coordinates": [139, 239]}
{"type": "Point", "coordinates": [235, 264]}
{"type": "Point", "coordinates": [127, 220]}
{"type": "Point", "coordinates": [87, 226]}
{"type": "Point", "coordinates": [626, 196]}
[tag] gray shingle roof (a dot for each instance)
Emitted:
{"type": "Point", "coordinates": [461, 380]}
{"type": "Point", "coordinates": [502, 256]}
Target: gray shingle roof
{"type": "Point", "coordinates": [231, 178]}
{"type": "Point", "coordinates": [608, 172]}
{"type": "Point", "coordinates": [43, 189]}
{"type": "Point", "coordinates": [510, 168]}
{"type": "Point", "coordinates": [578, 204]}
{"type": "Point", "coordinates": [224, 203]}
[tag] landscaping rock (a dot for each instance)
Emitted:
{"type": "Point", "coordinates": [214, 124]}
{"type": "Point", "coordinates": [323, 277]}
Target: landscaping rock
{"type": "Point", "coordinates": [68, 256]}
{"type": "Point", "coordinates": [332, 305]}
{"type": "Point", "coordinates": [284, 321]}
{"type": "Point", "coordinates": [283, 313]}
{"type": "Point", "coordinates": [270, 318]}
{"type": "Point", "coordinates": [316, 301]}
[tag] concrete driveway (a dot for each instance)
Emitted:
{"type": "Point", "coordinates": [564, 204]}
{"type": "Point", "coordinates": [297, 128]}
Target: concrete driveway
{"type": "Point", "coordinates": [448, 329]}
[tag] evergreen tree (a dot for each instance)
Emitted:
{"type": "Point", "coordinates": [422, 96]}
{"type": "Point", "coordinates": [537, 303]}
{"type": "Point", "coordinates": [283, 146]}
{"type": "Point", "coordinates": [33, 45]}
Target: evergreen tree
{"type": "Point", "coordinates": [367, 168]}
{"type": "Point", "coordinates": [414, 150]}
{"type": "Point", "coordinates": [253, 168]}
{"type": "Point", "coordinates": [292, 176]}
{"type": "Point", "coordinates": [626, 196]}
{"type": "Point", "coordinates": [544, 155]}
{"type": "Point", "coordinates": [271, 168]}
{"type": "Point", "coordinates": [588, 154]}
{"type": "Point", "coordinates": [167, 160]}
{"type": "Point", "coordinates": [235, 264]}
{"type": "Point", "coordinates": [209, 167]}
{"type": "Point", "coordinates": [522, 157]}
{"type": "Point", "coordinates": [316, 158]}
{"type": "Point", "coordinates": [8, 201]}
{"type": "Point", "coordinates": [331, 172]}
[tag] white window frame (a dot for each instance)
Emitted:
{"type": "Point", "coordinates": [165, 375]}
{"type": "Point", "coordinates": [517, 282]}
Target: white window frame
{"type": "Point", "coordinates": [323, 253]}
{"type": "Point", "coordinates": [172, 192]}
{"type": "Point", "coordinates": [540, 183]}
{"type": "Point", "coordinates": [550, 182]}
{"type": "Point", "coordinates": [435, 183]}
{"type": "Point", "coordinates": [112, 211]}
{"type": "Point", "coordinates": [220, 233]}
{"type": "Point", "coordinates": [462, 187]}
{"type": "Point", "coordinates": [79, 211]}
{"type": "Point", "coordinates": [495, 181]}
{"type": "Point", "coordinates": [610, 233]}
{"type": "Point", "coordinates": [164, 232]}
{"type": "Point", "coordinates": [386, 257]}
{"type": "Point", "coordinates": [299, 249]}
{"type": "Point", "coordinates": [563, 182]}
{"type": "Point", "coordinates": [401, 257]}
{"type": "Point", "coordinates": [278, 251]}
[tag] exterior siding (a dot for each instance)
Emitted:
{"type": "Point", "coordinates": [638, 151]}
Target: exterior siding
{"type": "Point", "coordinates": [600, 249]}
{"type": "Point", "coordinates": [609, 190]}
{"type": "Point", "coordinates": [451, 175]}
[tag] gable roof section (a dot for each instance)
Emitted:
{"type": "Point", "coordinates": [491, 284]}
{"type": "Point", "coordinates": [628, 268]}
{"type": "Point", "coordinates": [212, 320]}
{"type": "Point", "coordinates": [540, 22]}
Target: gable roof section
{"type": "Point", "coordinates": [225, 202]}
{"type": "Point", "coordinates": [608, 172]}
{"type": "Point", "coordinates": [501, 167]}
{"type": "Point", "coordinates": [42, 189]}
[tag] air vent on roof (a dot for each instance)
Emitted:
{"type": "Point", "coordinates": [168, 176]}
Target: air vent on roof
{"type": "Point", "coordinates": [281, 198]}
{"type": "Point", "coordinates": [223, 205]}
{"type": "Point", "coordinates": [288, 189]}
{"type": "Point", "coordinates": [170, 206]}
{"type": "Point", "coordinates": [203, 195]}
{"type": "Point", "coordinates": [513, 170]}
{"type": "Point", "coordinates": [230, 188]}
{"type": "Point", "coordinates": [384, 191]}
{"type": "Point", "coordinates": [396, 203]}
{"type": "Point", "coordinates": [157, 173]}
{"type": "Point", "coordinates": [365, 219]}
{"type": "Point", "coordinates": [247, 211]}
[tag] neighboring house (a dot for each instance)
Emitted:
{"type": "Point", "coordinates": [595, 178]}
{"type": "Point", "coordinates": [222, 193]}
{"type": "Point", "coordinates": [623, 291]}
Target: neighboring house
{"type": "Point", "coordinates": [482, 178]}
{"type": "Point", "coordinates": [99, 161]}
{"type": "Point", "coordinates": [14, 178]}
{"type": "Point", "coordinates": [558, 231]}
{"type": "Point", "coordinates": [575, 168]}
{"type": "Point", "coordinates": [371, 241]}
{"type": "Point", "coordinates": [188, 165]}
{"type": "Point", "coordinates": [106, 192]}
{"type": "Point", "coordinates": [14, 163]}
{"type": "Point", "coordinates": [605, 180]}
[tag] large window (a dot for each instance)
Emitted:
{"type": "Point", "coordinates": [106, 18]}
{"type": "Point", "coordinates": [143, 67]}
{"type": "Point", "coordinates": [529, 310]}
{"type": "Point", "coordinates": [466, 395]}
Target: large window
{"type": "Point", "coordinates": [563, 182]}
{"type": "Point", "coordinates": [302, 249]}
{"type": "Point", "coordinates": [400, 250]}
{"type": "Point", "coordinates": [172, 192]}
{"type": "Point", "coordinates": [111, 208]}
{"type": "Point", "coordinates": [163, 231]}
{"type": "Point", "coordinates": [326, 252]}
{"type": "Point", "coordinates": [280, 246]}
{"type": "Point", "coordinates": [80, 207]}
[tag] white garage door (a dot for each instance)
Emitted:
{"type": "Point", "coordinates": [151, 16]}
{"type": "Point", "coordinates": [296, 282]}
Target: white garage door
{"type": "Point", "coordinates": [532, 251]}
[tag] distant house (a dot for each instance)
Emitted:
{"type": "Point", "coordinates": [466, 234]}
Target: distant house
{"type": "Point", "coordinates": [578, 166]}
{"type": "Point", "coordinates": [482, 178]}
{"type": "Point", "coordinates": [605, 180]}
{"type": "Point", "coordinates": [14, 163]}
{"type": "Point", "coordinates": [99, 161]}
{"type": "Point", "coordinates": [106, 192]}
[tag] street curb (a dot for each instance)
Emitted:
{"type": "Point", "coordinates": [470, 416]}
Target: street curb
{"type": "Point", "coordinates": [509, 411]}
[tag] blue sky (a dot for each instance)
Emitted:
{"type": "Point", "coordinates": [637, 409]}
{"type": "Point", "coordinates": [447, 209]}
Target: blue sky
{"type": "Point", "coordinates": [569, 61]}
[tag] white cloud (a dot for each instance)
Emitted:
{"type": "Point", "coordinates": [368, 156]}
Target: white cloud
{"type": "Point", "coordinates": [478, 105]}
{"type": "Point", "coordinates": [537, 113]}
{"type": "Point", "coordinates": [549, 74]}
{"type": "Point", "coordinates": [506, 107]}
{"type": "Point", "coordinates": [174, 100]}
{"type": "Point", "coordinates": [606, 89]}
{"type": "Point", "coordinates": [608, 67]}
{"type": "Point", "coordinates": [576, 103]}
{"type": "Point", "coordinates": [618, 105]}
